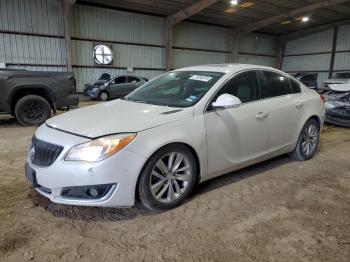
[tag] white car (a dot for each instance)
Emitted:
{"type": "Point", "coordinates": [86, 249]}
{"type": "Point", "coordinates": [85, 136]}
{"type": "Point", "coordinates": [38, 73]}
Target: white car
{"type": "Point", "coordinates": [180, 129]}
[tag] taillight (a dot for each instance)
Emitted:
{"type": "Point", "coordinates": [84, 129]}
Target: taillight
{"type": "Point", "coordinates": [323, 99]}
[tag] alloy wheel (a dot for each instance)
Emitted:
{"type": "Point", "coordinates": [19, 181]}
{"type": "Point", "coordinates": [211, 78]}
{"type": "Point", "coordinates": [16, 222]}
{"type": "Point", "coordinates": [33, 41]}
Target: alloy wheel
{"type": "Point", "coordinates": [104, 96]}
{"type": "Point", "coordinates": [170, 177]}
{"type": "Point", "coordinates": [309, 139]}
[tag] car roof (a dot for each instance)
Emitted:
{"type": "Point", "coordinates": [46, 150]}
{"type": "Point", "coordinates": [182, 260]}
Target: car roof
{"type": "Point", "coordinates": [224, 68]}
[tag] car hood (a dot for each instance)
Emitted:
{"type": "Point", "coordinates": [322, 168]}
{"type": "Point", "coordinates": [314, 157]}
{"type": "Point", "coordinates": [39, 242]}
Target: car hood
{"type": "Point", "coordinates": [118, 116]}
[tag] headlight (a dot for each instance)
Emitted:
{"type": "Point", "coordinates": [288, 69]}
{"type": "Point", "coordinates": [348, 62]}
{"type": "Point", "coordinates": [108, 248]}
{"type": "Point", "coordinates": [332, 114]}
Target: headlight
{"type": "Point", "coordinates": [100, 148]}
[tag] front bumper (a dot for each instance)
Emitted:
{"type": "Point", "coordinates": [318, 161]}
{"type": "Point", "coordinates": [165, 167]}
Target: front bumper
{"type": "Point", "coordinates": [92, 93]}
{"type": "Point", "coordinates": [340, 120]}
{"type": "Point", "coordinates": [121, 170]}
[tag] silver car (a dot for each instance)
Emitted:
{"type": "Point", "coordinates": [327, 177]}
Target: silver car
{"type": "Point", "coordinates": [116, 87]}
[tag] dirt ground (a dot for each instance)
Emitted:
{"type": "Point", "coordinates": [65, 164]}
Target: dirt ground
{"type": "Point", "coordinates": [280, 210]}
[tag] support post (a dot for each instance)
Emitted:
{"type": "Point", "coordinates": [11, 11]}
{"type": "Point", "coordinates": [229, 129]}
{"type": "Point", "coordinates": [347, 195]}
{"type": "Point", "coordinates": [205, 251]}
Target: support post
{"type": "Point", "coordinates": [280, 53]}
{"type": "Point", "coordinates": [235, 48]}
{"type": "Point", "coordinates": [334, 49]}
{"type": "Point", "coordinates": [168, 44]}
{"type": "Point", "coordinates": [67, 6]}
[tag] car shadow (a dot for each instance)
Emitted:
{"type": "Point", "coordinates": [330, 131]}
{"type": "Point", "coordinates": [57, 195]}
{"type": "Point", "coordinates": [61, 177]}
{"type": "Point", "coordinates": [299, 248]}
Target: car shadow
{"type": "Point", "coordinates": [120, 214]}
{"type": "Point", "coordinates": [6, 120]}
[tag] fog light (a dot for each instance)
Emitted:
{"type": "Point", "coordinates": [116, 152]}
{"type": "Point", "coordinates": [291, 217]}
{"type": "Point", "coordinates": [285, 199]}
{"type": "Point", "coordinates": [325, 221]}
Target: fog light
{"type": "Point", "coordinates": [93, 192]}
{"type": "Point", "coordinates": [86, 192]}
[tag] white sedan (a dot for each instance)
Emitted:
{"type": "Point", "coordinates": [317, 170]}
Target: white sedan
{"type": "Point", "coordinates": [178, 130]}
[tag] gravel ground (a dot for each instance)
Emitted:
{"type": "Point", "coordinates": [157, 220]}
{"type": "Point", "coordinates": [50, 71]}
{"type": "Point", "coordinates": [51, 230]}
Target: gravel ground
{"type": "Point", "coordinates": [279, 210]}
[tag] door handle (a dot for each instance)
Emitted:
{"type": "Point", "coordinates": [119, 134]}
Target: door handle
{"type": "Point", "coordinates": [298, 104]}
{"type": "Point", "coordinates": [261, 115]}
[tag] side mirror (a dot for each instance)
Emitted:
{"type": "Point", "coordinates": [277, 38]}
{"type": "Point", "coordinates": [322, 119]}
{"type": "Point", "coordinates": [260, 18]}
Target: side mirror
{"type": "Point", "coordinates": [226, 101]}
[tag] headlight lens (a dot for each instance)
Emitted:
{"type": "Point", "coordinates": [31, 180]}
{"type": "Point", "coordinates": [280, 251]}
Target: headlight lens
{"type": "Point", "coordinates": [99, 149]}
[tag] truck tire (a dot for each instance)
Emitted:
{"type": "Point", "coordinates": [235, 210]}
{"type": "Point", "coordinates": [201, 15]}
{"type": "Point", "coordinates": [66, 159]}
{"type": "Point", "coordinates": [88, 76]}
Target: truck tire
{"type": "Point", "coordinates": [32, 110]}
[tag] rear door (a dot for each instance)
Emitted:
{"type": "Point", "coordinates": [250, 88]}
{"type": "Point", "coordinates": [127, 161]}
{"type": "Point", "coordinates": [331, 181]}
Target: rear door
{"type": "Point", "coordinates": [133, 83]}
{"type": "Point", "coordinates": [284, 107]}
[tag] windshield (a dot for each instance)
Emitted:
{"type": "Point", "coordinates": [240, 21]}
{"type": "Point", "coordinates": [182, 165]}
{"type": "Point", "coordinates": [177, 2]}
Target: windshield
{"type": "Point", "coordinates": [341, 75]}
{"type": "Point", "coordinates": [176, 89]}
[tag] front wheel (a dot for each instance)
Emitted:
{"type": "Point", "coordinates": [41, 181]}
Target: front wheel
{"type": "Point", "coordinates": [32, 110]}
{"type": "Point", "coordinates": [308, 141]}
{"type": "Point", "coordinates": [103, 96]}
{"type": "Point", "coordinates": [168, 178]}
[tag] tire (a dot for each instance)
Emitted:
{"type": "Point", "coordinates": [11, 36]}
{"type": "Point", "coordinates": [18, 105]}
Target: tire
{"type": "Point", "coordinates": [32, 110]}
{"type": "Point", "coordinates": [307, 137]}
{"type": "Point", "coordinates": [177, 185]}
{"type": "Point", "coordinates": [103, 96]}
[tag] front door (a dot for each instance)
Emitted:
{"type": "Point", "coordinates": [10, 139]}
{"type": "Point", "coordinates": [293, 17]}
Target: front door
{"type": "Point", "coordinates": [237, 135]}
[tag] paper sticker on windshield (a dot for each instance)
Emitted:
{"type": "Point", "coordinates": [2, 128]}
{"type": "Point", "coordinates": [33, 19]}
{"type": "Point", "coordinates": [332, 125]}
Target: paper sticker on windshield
{"type": "Point", "coordinates": [201, 78]}
{"type": "Point", "coordinates": [191, 98]}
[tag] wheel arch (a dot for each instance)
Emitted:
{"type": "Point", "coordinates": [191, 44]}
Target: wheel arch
{"type": "Point", "coordinates": [41, 90]}
{"type": "Point", "coordinates": [193, 151]}
{"type": "Point", "coordinates": [317, 118]}
{"type": "Point", "coordinates": [302, 124]}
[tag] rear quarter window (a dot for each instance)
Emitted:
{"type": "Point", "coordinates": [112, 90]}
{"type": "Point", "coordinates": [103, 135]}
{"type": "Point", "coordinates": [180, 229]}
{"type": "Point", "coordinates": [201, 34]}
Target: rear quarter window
{"type": "Point", "coordinates": [296, 86]}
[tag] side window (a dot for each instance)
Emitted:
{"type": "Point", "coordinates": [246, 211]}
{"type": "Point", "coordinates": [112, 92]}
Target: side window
{"type": "Point", "coordinates": [245, 86]}
{"type": "Point", "coordinates": [120, 80]}
{"type": "Point", "coordinates": [274, 84]}
{"type": "Point", "coordinates": [295, 86]}
{"type": "Point", "coordinates": [132, 79]}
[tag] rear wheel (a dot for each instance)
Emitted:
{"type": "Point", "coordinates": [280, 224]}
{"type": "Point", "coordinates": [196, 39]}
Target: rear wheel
{"type": "Point", "coordinates": [168, 178]}
{"type": "Point", "coordinates": [308, 141]}
{"type": "Point", "coordinates": [32, 110]}
{"type": "Point", "coordinates": [103, 96]}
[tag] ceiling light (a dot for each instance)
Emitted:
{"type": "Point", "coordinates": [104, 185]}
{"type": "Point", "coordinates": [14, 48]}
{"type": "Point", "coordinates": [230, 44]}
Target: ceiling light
{"type": "Point", "coordinates": [247, 4]}
{"type": "Point", "coordinates": [286, 22]}
{"type": "Point", "coordinates": [305, 19]}
{"type": "Point", "coordinates": [230, 10]}
{"type": "Point", "coordinates": [234, 2]}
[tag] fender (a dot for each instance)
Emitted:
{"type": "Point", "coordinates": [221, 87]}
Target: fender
{"type": "Point", "coordinates": [43, 87]}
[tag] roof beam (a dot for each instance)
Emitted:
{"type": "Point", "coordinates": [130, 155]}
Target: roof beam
{"type": "Point", "coordinates": [279, 18]}
{"type": "Point", "coordinates": [189, 11]}
{"type": "Point", "coordinates": [310, 31]}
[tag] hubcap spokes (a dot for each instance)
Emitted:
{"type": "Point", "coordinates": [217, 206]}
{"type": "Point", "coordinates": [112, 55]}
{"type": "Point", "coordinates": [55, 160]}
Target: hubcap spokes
{"type": "Point", "coordinates": [310, 139]}
{"type": "Point", "coordinates": [34, 111]}
{"type": "Point", "coordinates": [170, 177]}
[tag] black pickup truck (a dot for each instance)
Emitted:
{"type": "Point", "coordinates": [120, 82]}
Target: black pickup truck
{"type": "Point", "coordinates": [31, 96]}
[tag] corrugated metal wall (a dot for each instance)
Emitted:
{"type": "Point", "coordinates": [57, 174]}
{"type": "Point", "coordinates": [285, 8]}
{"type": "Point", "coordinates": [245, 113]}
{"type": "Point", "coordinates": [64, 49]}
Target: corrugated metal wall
{"type": "Point", "coordinates": [136, 41]}
{"type": "Point", "coordinates": [31, 35]}
{"type": "Point", "coordinates": [298, 58]}
{"type": "Point", "coordinates": [342, 60]}
{"type": "Point", "coordinates": [313, 53]}
{"type": "Point", "coordinates": [204, 44]}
